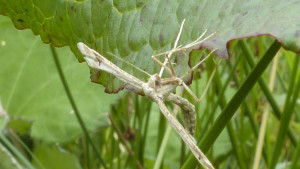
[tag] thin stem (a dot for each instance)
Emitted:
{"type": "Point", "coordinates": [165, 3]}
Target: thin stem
{"type": "Point", "coordinates": [32, 156]}
{"type": "Point", "coordinates": [166, 137]}
{"type": "Point", "coordinates": [234, 104]}
{"type": "Point", "coordinates": [70, 97]}
{"type": "Point", "coordinates": [262, 130]}
{"type": "Point", "coordinates": [237, 150]}
{"type": "Point", "coordinates": [146, 111]}
{"type": "Point", "coordinates": [235, 146]}
{"type": "Point", "coordinates": [87, 151]}
{"type": "Point", "coordinates": [163, 145]}
{"type": "Point", "coordinates": [187, 138]}
{"type": "Point", "coordinates": [246, 105]}
{"type": "Point", "coordinates": [265, 89]}
{"type": "Point", "coordinates": [296, 156]}
{"type": "Point", "coordinates": [16, 152]}
{"type": "Point", "coordinates": [291, 98]}
{"type": "Point", "coordinates": [221, 93]}
{"type": "Point", "coordinates": [123, 140]}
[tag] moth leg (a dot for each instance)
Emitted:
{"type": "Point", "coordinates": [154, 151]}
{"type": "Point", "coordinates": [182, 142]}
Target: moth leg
{"type": "Point", "coordinates": [169, 70]}
{"type": "Point", "coordinates": [169, 53]}
{"type": "Point", "coordinates": [186, 137]}
{"type": "Point", "coordinates": [198, 100]}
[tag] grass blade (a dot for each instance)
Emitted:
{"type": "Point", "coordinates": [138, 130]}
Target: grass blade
{"type": "Point", "coordinates": [296, 156]}
{"type": "Point", "coordinates": [266, 90]}
{"type": "Point", "coordinates": [235, 146]}
{"type": "Point", "coordinates": [289, 106]}
{"type": "Point", "coordinates": [15, 151]}
{"type": "Point", "coordinates": [234, 103]}
{"type": "Point", "coordinates": [70, 97]}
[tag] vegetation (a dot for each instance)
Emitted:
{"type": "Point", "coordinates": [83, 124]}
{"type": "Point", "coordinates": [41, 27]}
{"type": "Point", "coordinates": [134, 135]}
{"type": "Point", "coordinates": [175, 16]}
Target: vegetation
{"type": "Point", "coordinates": [52, 116]}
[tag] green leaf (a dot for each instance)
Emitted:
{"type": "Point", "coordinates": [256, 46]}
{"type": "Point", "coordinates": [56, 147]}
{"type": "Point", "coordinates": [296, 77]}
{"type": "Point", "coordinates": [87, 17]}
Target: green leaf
{"type": "Point", "coordinates": [31, 88]}
{"type": "Point", "coordinates": [135, 30]}
{"type": "Point", "coordinates": [20, 125]}
{"type": "Point", "coordinates": [53, 157]}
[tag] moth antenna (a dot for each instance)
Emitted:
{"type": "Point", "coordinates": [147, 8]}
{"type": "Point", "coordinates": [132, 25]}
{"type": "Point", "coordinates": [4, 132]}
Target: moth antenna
{"type": "Point", "coordinates": [174, 47]}
{"type": "Point", "coordinates": [128, 63]}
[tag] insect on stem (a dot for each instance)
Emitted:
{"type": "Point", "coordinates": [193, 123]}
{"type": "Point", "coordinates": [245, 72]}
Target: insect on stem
{"type": "Point", "coordinates": [159, 89]}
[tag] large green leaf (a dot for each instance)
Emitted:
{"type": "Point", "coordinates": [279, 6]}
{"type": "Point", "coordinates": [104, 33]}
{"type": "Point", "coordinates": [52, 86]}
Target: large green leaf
{"type": "Point", "coordinates": [30, 87]}
{"type": "Point", "coordinates": [53, 157]}
{"type": "Point", "coordinates": [135, 30]}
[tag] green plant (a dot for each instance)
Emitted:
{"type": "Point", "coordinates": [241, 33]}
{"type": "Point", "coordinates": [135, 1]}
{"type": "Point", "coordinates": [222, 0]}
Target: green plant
{"type": "Point", "coordinates": [42, 125]}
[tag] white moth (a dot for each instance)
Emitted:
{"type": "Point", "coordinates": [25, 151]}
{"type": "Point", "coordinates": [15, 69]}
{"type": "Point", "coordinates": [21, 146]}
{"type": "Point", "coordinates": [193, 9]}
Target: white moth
{"type": "Point", "coordinates": [159, 89]}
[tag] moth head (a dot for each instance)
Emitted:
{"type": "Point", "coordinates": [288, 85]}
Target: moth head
{"type": "Point", "coordinates": [154, 81]}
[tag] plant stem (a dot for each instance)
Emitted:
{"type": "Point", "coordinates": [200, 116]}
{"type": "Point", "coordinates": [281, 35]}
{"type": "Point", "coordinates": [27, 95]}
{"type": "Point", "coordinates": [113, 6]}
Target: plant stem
{"type": "Point", "coordinates": [265, 89]}
{"type": "Point", "coordinates": [124, 142]}
{"type": "Point", "coordinates": [32, 156]}
{"type": "Point", "coordinates": [263, 126]}
{"type": "Point", "coordinates": [16, 152]}
{"type": "Point", "coordinates": [289, 106]}
{"type": "Point", "coordinates": [236, 146]}
{"type": "Point", "coordinates": [166, 137]}
{"type": "Point", "coordinates": [234, 104]}
{"type": "Point", "coordinates": [70, 97]}
{"type": "Point", "coordinates": [237, 149]}
{"type": "Point", "coordinates": [296, 156]}
{"type": "Point", "coordinates": [220, 93]}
